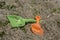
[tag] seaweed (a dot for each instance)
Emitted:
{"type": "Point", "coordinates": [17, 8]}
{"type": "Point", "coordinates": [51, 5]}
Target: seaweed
{"type": "Point", "coordinates": [58, 23]}
{"type": "Point", "coordinates": [2, 4]}
{"type": "Point", "coordinates": [23, 29]}
{"type": "Point", "coordinates": [55, 10]}
{"type": "Point", "coordinates": [2, 33]}
{"type": "Point", "coordinates": [10, 7]}
{"type": "Point", "coordinates": [3, 23]}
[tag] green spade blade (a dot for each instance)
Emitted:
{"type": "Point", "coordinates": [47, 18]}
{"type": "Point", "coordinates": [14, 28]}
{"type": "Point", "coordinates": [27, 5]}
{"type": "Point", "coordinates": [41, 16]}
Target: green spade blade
{"type": "Point", "coordinates": [17, 21]}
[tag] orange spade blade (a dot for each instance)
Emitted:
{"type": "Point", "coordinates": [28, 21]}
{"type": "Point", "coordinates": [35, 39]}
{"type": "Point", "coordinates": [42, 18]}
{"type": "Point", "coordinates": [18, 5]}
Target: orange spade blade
{"type": "Point", "coordinates": [36, 29]}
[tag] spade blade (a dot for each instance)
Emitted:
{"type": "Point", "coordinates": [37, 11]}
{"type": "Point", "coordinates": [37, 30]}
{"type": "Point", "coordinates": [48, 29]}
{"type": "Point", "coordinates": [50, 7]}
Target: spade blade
{"type": "Point", "coordinates": [16, 21]}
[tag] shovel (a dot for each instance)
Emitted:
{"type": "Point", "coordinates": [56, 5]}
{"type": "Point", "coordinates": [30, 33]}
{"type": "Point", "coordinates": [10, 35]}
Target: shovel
{"type": "Point", "coordinates": [17, 21]}
{"type": "Point", "coordinates": [36, 27]}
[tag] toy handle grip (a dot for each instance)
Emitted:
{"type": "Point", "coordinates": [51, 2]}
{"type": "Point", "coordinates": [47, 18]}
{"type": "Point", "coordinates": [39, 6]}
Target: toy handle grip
{"type": "Point", "coordinates": [29, 20]}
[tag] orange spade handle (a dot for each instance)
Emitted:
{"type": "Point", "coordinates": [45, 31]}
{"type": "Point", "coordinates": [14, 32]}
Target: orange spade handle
{"type": "Point", "coordinates": [37, 19]}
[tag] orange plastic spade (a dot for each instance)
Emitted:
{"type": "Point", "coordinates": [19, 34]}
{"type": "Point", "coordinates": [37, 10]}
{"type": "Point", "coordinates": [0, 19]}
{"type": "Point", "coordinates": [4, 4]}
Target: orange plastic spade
{"type": "Point", "coordinates": [36, 27]}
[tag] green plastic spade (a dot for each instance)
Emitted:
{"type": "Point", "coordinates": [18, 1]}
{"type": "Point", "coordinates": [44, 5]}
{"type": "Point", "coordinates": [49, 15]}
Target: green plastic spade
{"type": "Point", "coordinates": [17, 21]}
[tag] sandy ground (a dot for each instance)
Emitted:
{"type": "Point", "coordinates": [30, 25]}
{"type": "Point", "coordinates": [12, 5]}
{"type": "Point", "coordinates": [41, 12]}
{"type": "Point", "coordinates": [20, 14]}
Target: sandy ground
{"type": "Point", "coordinates": [49, 10]}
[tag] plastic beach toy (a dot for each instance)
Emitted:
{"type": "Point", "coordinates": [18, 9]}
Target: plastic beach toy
{"type": "Point", "coordinates": [17, 21]}
{"type": "Point", "coordinates": [36, 27]}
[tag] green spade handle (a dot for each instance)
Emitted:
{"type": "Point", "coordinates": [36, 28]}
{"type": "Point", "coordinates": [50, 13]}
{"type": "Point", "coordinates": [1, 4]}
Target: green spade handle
{"type": "Point", "coordinates": [29, 20]}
